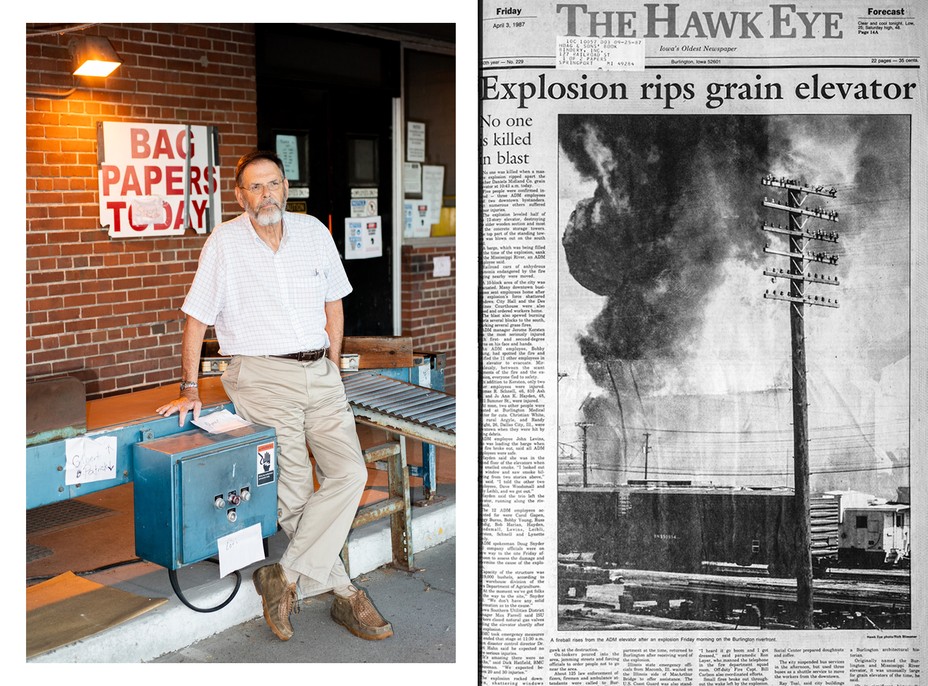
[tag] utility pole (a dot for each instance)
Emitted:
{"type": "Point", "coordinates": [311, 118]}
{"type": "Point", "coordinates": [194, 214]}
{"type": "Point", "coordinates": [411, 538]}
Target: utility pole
{"type": "Point", "coordinates": [800, 238]}
{"type": "Point", "coordinates": [647, 450]}
{"type": "Point", "coordinates": [584, 426]}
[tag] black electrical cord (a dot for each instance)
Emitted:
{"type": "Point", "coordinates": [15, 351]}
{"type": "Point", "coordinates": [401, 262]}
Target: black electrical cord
{"type": "Point", "coordinates": [172, 575]}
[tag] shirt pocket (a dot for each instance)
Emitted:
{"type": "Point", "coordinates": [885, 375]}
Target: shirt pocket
{"type": "Point", "coordinates": [310, 288]}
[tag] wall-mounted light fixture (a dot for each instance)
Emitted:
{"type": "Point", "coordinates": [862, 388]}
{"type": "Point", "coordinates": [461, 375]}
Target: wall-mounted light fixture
{"type": "Point", "coordinates": [93, 56]}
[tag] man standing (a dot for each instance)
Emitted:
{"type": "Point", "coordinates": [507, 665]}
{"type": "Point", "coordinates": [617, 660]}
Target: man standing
{"type": "Point", "coordinates": [271, 282]}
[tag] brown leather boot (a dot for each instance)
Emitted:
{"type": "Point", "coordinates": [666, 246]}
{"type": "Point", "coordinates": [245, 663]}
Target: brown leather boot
{"type": "Point", "coordinates": [360, 617]}
{"type": "Point", "coordinates": [278, 598]}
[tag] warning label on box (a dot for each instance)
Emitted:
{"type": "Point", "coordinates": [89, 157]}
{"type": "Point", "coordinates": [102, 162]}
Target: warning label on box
{"type": "Point", "coordinates": [266, 463]}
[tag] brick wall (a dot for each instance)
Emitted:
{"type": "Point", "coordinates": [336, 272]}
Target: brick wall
{"type": "Point", "coordinates": [105, 310]}
{"type": "Point", "coordinates": [108, 310]}
{"type": "Point", "coordinates": [429, 302]}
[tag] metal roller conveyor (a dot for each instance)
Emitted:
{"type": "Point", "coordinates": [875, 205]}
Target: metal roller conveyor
{"type": "Point", "coordinates": [412, 410]}
{"type": "Point", "coordinates": [423, 404]}
{"type": "Point", "coordinates": [407, 405]}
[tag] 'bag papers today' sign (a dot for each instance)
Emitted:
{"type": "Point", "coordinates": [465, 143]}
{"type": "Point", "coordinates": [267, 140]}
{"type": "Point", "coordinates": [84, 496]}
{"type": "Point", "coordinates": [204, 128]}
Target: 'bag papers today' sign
{"type": "Point", "coordinates": [157, 179]}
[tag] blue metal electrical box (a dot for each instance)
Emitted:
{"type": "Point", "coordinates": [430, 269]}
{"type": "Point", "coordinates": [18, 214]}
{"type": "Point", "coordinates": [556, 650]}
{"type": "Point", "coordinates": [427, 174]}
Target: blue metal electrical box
{"type": "Point", "coordinates": [194, 487]}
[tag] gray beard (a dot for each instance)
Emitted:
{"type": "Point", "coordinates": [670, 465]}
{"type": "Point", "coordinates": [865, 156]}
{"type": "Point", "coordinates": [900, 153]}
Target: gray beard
{"type": "Point", "coordinates": [268, 218]}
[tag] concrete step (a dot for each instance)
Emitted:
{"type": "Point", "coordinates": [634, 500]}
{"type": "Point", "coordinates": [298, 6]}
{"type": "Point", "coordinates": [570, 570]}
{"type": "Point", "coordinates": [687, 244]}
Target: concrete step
{"type": "Point", "coordinates": [173, 625]}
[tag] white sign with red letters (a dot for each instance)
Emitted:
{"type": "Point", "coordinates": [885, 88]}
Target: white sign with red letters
{"type": "Point", "coordinates": [157, 180]}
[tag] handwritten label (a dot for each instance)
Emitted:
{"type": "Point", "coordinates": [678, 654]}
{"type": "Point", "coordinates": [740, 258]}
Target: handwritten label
{"type": "Point", "coordinates": [220, 422]}
{"type": "Point", "coordinates": [239, 549]}
{"type": "Point", "coordinates": [90, 459]}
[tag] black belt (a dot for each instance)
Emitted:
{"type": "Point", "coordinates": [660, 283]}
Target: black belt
{"type": "Point", "coordinates": [305, 356]}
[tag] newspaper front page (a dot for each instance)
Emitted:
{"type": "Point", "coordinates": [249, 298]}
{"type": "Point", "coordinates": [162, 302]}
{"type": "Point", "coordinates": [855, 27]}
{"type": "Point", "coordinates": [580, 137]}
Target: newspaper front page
{"type": "Point", "coordinates": [703, 232]}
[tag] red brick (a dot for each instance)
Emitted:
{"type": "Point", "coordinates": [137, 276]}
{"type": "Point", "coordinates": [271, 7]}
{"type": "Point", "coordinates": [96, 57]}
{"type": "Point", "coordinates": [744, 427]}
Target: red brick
{"type": "Point", "coordinates": [76, 274]}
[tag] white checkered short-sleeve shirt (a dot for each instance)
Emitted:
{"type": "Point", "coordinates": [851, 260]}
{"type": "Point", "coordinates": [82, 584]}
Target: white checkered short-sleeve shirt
{"type": "Point", "coordinates": [262, 302]}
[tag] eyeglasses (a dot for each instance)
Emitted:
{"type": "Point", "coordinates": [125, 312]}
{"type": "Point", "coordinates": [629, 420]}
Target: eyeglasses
{"type": "Point", "coordinates": [258, 188]}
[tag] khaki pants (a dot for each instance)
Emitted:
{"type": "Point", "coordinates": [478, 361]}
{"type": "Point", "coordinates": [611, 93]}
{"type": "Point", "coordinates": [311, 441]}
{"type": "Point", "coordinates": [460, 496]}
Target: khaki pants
{"type": "Point", "coordinates": [305, 402]}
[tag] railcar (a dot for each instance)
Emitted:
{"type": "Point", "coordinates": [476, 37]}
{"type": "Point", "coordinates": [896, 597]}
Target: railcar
{"type": "Point", "coordinates": [689, 528]}
{"type": "Point", "coordinates": [875, 535]}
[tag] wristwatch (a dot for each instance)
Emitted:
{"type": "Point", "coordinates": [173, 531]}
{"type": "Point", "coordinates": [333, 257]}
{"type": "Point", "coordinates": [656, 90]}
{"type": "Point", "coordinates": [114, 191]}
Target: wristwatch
{"type": "Point", "coordinates": [184, 385]}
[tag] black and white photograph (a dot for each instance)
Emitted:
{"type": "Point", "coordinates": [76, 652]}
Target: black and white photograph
{"type": "Point", "coordinates": [733, 371]}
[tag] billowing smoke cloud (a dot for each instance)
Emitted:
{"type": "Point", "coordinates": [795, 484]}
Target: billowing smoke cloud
{"type": "Point", "coordinates": [675, 198]}
{"type": "Point", "coordinates": [670, 239]}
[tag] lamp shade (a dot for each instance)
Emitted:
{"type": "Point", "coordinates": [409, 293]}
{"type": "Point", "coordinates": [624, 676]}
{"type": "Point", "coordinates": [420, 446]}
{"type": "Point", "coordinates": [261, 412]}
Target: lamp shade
{"type": "Point", "coordinates": [94, 56]}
